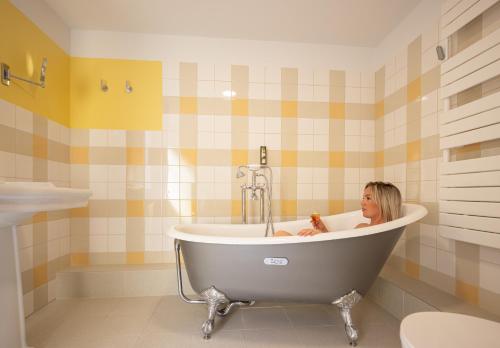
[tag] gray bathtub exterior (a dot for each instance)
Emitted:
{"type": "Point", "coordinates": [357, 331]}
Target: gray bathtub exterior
{"type": "Point", "coordinates": [316, 272]}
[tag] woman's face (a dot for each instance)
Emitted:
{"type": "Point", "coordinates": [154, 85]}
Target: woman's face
{"type": "Point", "coordinates": [368, 206]}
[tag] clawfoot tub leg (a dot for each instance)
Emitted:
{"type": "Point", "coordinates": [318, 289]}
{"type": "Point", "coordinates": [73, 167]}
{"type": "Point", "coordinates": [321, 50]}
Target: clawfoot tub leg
{"type": "Point", "coordinates": [345, 304]}
{"type": "Point", "coordinates": [214, 300]}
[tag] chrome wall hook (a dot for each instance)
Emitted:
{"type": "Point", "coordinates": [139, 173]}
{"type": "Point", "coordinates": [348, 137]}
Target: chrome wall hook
{"type": "Point", "coordinates": [128, 87]}
{"type": "Point", "coordinates": [104, 86]}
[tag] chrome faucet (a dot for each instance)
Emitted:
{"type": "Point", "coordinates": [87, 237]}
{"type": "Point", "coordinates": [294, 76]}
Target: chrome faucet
{"type": "Point", "coordinates": [254, 187]}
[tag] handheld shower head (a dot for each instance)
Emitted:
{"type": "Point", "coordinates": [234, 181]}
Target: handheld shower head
{"type": "Point", "coordinates": [239, 172]}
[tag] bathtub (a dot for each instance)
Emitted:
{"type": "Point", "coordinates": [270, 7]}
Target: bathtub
{"type": "Point", "coordinates": [231, 265]}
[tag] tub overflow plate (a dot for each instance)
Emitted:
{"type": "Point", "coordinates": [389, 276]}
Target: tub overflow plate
{"type": "Point", "coordinates": [276, 261]}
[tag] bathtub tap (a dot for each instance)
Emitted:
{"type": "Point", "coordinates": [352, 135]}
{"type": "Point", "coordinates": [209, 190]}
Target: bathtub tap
{"type": "Point", "coordinates": [258, 170]}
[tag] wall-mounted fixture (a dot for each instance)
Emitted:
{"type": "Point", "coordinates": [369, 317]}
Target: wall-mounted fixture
{"type": "Point", "coordinates": [128, 87]}
{"type": "Point", "coordinates": [104, 86]}
{"type": "Point", "coordinates": [7, 76]}
{"type": "Point", "coordinates": [440, 52]}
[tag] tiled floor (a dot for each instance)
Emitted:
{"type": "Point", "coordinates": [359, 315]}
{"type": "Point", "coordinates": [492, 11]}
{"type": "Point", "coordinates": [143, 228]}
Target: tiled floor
{"type": "Point", "coordinates": [150, 322]}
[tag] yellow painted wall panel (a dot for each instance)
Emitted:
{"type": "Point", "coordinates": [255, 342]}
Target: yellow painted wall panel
{"type": "Point", "coordinates": [23, 47]}
{"type": "Point", "coordinates": [116, 109]}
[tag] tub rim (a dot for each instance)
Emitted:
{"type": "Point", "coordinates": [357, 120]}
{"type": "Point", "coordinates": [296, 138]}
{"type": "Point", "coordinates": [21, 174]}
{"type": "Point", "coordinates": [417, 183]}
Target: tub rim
{"type": "Point", "coordinates": [413, 213]}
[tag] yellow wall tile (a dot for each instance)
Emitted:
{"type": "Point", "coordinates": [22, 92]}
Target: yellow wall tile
{"type": "Point", "coordinates": [379, 109]}
{"type": "Point", "coordinates": [467, 292]}
{"type": "Point", "coordinates": [79, 155]}
{"type": "Point", "coordinates": [188, 157]}
{"type": "Point", "coordinates": [135, 208]}
{"type": "Point", "coordinates": [236, 208]}
{"type": "Point", "coordinates": [288, 158]}
{"type": "Point", "coordinates": [239, 157]}
{"type": "Point", "coordinates": [92, 108]}
{"type": "Point", "coordinates": [337, 110]}
{"type": "Point", "coordinates": [412, 269]}
{"type": "Point", "coordinates": [82, 212]}
{"type": "Point", "coordinates": [239, 107]}
{"type": "Point", "coordinates": [135, 156]}
{"type": "Point", "coordinates": [40, 148]}
{"type": "Point", "coordinates": [413, 151]}
{"type": "Point", "coordinates": [379, 158]}
{"type": "Point", "coordinates": [79, 259]}
{"type": "Point", "coordinates": [22, 48]}
{"type": "Point", "coordinates": [337, 159]}
{"type": "Point", "coordinates": [188, 105]}
{"type": "Point", "coordinates": [335, 206]}
{"type": "Point", "coordinates": [135, 257]}
{"type": "Point", "coordinates": [413, 90]}
{"type": "Point", "coordinates": [39, 217]}
{"type": "Point", "coordinates": [40, 275]}
{"type": "Point", "coordinates": [289, 108]}
{"type": "Point", "coordinates": [288, 207]}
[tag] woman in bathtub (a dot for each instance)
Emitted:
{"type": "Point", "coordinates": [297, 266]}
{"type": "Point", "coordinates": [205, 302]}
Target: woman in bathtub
{"type": "Point", "coordinates": [381, 203]}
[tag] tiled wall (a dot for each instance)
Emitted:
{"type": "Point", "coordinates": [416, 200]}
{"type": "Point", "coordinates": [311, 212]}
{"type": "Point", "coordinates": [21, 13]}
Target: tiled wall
{"type": "Point", "coordinates": [407, 153]}
{"type": "Point", "coordinates": [318, 126]}
{"type": "Point", "coordinates": [33, 148]}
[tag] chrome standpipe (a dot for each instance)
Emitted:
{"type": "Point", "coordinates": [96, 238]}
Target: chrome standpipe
{"type": "Point", "coordinates": [258, 191]}
{"type": "Point", "coordinates": [345, 304]}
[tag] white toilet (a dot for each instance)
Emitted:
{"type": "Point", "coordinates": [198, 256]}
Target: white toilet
{"type": "Point", "coordinates": [448, 330]}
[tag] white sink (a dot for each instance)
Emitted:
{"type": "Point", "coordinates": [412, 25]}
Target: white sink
{"type": "Point", "coordinates": [18, 201]}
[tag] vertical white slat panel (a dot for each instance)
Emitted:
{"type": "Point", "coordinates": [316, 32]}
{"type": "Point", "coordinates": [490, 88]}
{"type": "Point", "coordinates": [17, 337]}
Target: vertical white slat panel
{"type": "Point", "coordinates": [470, 208]}
{"type": "Point", "coordinates": [472, 122]}
{"type": "Point", "coordinates": [448, 5]}
{"type": "Point", "coordinates": [467, 16]}
{"type": "Point", "coordinates": [456, 11]}
{"type": "Point", "coordinates": [470, 80]}
{"type": "Point", "coordinates": [477, 106]}
{"type": "Point", "coordinates": [471, 137]}
{"type": "Point", "coordinates": [491, 240]}
{"type": "Point", "coordinates": [480, 223]}
{"type": "Point", "coordinates": [478, 62]}
{"type": "Point", "coordinates": [472, 51]}
{"type": "Point", "coordinates": [470, 194]}
{"type": "Point", "coordinates": [471, 165]}
{"type": "Point", "coordinates": [471, 180]}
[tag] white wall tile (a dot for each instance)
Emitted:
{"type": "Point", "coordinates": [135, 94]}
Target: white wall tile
{"type": "Point", "coordinates": [222, 124]}
{"type": "Point", "coordinates": [98, 137]}
{"type": "Point", "coordinates": [273, 125]}
{"type": "Point", "coordinates": [321, 126]}
{"type": "Point", "coordinates": [305, 142]}
{"type": "Point", "coordinates": [305, 126]}
{"type": "Point", "coordinates": [7, 114]}
{"type": "Point", "coordinates": [24, 120]}
{"type": "Point", "coordinates": [445, 263]}
{"type": "Point", "coordinates": [305, 93]}
{"type": "Point", "coordinates": [117, 243]}
{"type": "Point", "coordinates": [304, 191]}
{"type": "Point", "coordinates": [489, 276]}
{"type": "Point", "coordinates": [428, 256]}
{"type": "Point", "coordinates": [321, 142]}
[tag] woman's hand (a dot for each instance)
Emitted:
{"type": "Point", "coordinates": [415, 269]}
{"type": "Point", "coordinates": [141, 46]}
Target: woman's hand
{"type": "Point", "coordinates": [319, 225]}
{"type": "Point", "coordinates": [308, 232]}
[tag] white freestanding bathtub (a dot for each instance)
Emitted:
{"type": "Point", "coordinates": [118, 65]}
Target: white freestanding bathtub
{"type": "Point", "coordinates": [231, 265]}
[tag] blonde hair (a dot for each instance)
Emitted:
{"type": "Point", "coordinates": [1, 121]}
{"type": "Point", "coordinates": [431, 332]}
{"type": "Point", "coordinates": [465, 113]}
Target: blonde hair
{"type": "Point", "coordinates": [388, 199]}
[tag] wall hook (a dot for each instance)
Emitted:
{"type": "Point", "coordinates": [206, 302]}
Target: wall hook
{"type": "Point", "coordinates": [128, 87]}
{"type": "Point", "coordinates": [104, 86]}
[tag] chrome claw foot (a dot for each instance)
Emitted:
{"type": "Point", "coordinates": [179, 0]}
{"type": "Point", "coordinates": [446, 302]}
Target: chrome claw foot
{"type": "Point", "coordinates": [345, 304]}
{"type": "Point", "coordinates": [214, 299]}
